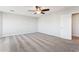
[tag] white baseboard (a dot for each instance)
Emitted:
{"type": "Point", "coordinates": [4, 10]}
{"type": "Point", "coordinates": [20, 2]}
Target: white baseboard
{"type": "Point", "coordinates": [76, 35]}
{"type": "Point", "coordinates": [5, 35]}
{"type": "Point", "coordinates": [68, 38]}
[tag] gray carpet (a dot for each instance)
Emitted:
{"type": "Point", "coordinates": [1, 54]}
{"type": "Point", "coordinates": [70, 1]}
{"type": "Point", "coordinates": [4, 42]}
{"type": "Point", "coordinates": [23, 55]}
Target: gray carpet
{"type": "Point", "coordinates": [36, 42]}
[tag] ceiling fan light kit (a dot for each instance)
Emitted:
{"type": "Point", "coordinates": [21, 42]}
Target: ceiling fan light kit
{"type": "Point", "coordinates": [38, 12]}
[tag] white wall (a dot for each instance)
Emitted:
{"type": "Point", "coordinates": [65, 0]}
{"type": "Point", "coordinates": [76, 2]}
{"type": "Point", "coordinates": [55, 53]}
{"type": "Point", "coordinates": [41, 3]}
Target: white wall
{"type": "Point", "coordinates": [18, 24]}
{"type": "Point", "coordinates": [75, 18]}
{"type": "Point", "coordinates": [58, 24]}
{"type": "Point", "coordinates": [49, 24]}
{"type": "Point", "coordinates": [0, 24]}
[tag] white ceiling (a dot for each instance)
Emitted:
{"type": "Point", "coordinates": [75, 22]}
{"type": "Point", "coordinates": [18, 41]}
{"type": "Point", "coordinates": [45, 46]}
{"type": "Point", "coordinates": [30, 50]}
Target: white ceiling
{"type": "Point", "coordinates": [23, 10]}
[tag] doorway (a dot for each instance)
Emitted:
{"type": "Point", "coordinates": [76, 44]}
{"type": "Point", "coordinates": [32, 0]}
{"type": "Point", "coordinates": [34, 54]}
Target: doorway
{"type": "Point", "coordinates": [75, 27]}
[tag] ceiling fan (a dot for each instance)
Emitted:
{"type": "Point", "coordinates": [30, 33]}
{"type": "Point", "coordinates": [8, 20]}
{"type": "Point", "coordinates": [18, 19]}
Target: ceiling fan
{"type": "Point", "coordinates": [39, 10]}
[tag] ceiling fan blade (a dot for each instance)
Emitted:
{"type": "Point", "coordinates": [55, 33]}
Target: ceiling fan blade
{"type": "Point", "coordinates": [42, 13]}
{"type": "Point", "coordinates": [35, 13]}
{"type": "Point", "coordinates": [45, 10]}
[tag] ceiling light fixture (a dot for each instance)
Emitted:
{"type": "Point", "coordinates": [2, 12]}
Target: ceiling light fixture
{"type": "Point", "coordinates": [38, 11]}
{"type": "Point", "coordinates": [12, 10]}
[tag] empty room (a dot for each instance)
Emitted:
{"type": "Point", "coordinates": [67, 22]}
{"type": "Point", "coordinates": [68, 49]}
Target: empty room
{"type": "Point", "coordinates": [39, 29]}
